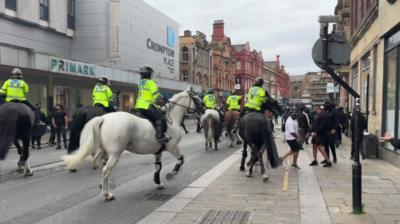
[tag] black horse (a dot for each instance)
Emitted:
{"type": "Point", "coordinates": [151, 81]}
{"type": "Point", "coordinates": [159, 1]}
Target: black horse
{"type": "Point", "coordinates": [16, 122]}
{"type": "Point", "coordinates": [255, 131]}
{"type": "Point", "coordinates": [81, 117]}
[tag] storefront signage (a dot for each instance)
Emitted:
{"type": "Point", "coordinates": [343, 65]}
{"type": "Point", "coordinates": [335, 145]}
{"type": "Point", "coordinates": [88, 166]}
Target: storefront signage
{"type": "Point", "coordinates": [61, 65]}
{"type": "Point", "coordinates": [167, 53]}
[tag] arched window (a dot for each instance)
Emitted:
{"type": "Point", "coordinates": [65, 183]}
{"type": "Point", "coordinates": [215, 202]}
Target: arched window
{"type": "Point", "coordinates": [185, 55]}
{"type": "Point", "coordinates": [185, 76]}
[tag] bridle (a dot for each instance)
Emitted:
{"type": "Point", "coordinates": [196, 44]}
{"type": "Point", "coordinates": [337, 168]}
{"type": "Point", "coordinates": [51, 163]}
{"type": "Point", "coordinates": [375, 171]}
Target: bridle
{"type": "Point", "coordinates": [188, 108]}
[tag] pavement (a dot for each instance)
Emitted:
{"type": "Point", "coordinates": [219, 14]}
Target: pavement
{"type": "Point", "coordinates": [311, 195]}
{"type": "Point", "coordinates": [210, 189]}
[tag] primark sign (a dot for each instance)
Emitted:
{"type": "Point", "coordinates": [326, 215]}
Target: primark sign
{"type": "Point", "coordinates": [61, 65]}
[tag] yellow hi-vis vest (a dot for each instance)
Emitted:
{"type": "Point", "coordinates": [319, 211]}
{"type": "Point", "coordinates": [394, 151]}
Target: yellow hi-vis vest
{"type": "Point", "coordinates": [210, 101]}
{"type": "Point", "coordinates": [256, 97]}
{"type": "Point", "coordinates": [233, 102]}
{"type": "Point", "coordinates": [148, 94]}
{"type": "Point", "coordinates": [15, 89]}
{"type": "Point", "coordinates": [102, 94]}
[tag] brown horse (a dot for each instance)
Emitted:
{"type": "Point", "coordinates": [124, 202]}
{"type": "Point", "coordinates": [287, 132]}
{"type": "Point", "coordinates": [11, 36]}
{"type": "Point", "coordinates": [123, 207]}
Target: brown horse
{"type": "Point", "coordinates": [230, 120]}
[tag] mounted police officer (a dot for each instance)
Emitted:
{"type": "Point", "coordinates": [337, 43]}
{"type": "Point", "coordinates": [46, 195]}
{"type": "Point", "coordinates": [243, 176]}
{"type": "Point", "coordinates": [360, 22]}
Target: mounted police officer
{"type": "Point", "coordinates": [209, 100]}
{"type": "Point", "coordinates": [15, 89]}
{"type": "Point", "coordinates": [145, 103]}
{"type": "Point", "coordinates": [233, 101]}
{"type": "Point", "coordinates": [102, 95]}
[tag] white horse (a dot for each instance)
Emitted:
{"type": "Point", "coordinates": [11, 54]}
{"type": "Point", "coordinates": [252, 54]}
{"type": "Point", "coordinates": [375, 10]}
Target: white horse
{"type": "Point", "coordinates": [113, 133]}
{"type": "Point", "coordinates": [210, 122]}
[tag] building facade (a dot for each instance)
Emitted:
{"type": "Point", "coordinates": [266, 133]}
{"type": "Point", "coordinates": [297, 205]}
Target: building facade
{"type": "Point", "coordinates": [375, 70]}
{"type": "Point", "coordinates": [248, 66]}
{"type": "Point", "coordinates": [270, 74]}
{"type": "Point", "coordinates": [73, 42]}
{"type": "Point", "coordinates": [195, 59]}
{"type": "Point", "coordinates": [316, 83]}
{"type": "Point", "coordinates": [223, 61]}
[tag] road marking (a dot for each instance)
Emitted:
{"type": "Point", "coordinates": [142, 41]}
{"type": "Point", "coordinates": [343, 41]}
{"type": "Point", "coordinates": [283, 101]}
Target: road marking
{"type": "Point", "coordinates": [194, 173]}
{"type": "Point", "coordinates": [285, 180]}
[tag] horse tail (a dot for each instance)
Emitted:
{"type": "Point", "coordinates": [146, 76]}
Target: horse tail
{"type": "Point", "coordinates": [7, 133]}
{"type": "Point", "coordinates": [90, 141]}
{"type": "Point", "coordinates": [76, 128]}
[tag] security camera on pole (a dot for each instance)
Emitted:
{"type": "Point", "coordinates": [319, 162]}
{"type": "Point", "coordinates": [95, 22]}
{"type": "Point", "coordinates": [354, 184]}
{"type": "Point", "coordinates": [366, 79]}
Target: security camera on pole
{"type": "Point", "coordinates": [330, 52]}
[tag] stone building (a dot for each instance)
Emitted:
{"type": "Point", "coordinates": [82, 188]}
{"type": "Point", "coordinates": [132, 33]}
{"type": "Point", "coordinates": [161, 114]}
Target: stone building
{"type": "Point", "coordinates": [195, 59]}
{"type": "Point", "coordinates": [281, 78]}
{"type": "Point", "coordinates": [63, 46]}
{"type": "Point", "coordinates": [223, 61]}
{"type": "Point", "coordinates": [316, 84]}
{"type": "Point", "coordinates": [270, 74]}
{"type": "Point", "coordinates": [248, 66]}
{"type": "Point", "coordinates": [375, 72]}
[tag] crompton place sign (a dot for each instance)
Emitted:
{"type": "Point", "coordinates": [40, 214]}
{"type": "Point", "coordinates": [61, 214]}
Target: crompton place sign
{"type": "Point", "coordinates": [61, 65]}
{"type": "Point", "coordinates": [168, 53]}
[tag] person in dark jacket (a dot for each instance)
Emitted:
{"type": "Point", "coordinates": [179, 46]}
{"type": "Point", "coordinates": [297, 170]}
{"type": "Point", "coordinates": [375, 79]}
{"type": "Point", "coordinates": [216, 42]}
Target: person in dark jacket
{"type": "Point", "coordinates": [333, 126]}
{"type": "Point", "coordinates": [303, 122]}
{"type": "Point", "coordinates": [60, 122]}
{"type": "Point", "coordinates": [52, 137]}
{"type": "Point", "coordinates": [39, 127]}
{"type": "Point", "coordinates": [319, 133]}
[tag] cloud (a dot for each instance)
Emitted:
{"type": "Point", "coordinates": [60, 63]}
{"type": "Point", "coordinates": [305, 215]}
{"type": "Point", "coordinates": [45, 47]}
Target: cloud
{"type": "Point", "coordinates": [288, 28]}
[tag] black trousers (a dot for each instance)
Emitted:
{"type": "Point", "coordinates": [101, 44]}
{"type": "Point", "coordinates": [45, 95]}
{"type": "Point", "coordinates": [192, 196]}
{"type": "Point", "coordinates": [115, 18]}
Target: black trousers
{"type": "Point", "coordinates": [106, 109]}
{"type": "Point", "coordinates": [61, 131]}
{"type": "Point", "coordinates": [330, 146]}
{"type": "Point", "coordinates": [52, 137]}
{"type": "Point", "coordinates": [154, 116]}
{"type": "Point", "coordinates": [37, 140]}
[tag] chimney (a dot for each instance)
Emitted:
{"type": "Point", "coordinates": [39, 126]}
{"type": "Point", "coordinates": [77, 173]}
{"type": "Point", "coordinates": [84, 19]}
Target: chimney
{"type": "Point", "coordinates": [278, 62]}
{"type": "Point", "coordinates": [187, 33]}
{"type": "Point", "coordinates": [218, 30]}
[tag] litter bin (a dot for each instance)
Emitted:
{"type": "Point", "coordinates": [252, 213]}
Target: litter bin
{"type": "Point", "coordinates": [370, 146]}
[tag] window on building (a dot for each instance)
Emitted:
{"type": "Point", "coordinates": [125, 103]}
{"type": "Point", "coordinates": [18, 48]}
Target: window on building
{"type": "Point", "coordinates": [185, 55]}
{"type": "Point", "coordinates": [44, 10]}
{"type": "Point", "coordinates": [365, 81]}
{"type": "Point", "coordinates": [238, 65]}
{"type": "Point", "coordinates": [71, 14]}
{"type": "Point", "coordinates": [11, 5]}
{"type": "Point", "coordinates": [185, 76]}
{"type": "Point", "coordinates": [391, 97]}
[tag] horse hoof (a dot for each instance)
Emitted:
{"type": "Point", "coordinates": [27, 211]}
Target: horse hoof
{"type": "Point", "coordinates": [28, 174]}
{"type": "Point", "coordinates": [109, 197]}
{"type": "Point", "coordinates": [94, 167]}
{"type": "Point", "coordinates": [160, 186]}
{"type": "Point", "coordinates": [169, 176]}
{"type": "Point", "coordinates": [241, 168]}
{"type": "Point", "coordinates": [101, 187]}
{"type": "Point", "coordinates": [73, 170]}
{"type": "Point", "coordinates": [265, 179]}
{"type": "Point", "coordinates": [20, 170]}
{"type": "Point", "coordinates": [249, 175]}
{"type": "Point", "coordinates": [230, 146]}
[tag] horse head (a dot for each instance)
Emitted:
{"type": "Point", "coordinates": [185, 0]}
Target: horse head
{"type": "Point", "coordinates": [197, 102]}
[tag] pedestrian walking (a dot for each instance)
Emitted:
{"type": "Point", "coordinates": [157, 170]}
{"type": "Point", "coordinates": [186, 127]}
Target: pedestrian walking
{"type": "Point", "coordinates": [319, 135]}
{"type": "Point", "coordinates": [292, 138]}
{"type": "Point", "coordinates": [333, 126]}
{"type": "Point", "coordinates": [39, 127]}
{"type": "Point", "coordinates": [60, 122]}
{"type": "Point", "coordinates": [304, 125]}
{"type": "Point", "coordinates": [52, 136]}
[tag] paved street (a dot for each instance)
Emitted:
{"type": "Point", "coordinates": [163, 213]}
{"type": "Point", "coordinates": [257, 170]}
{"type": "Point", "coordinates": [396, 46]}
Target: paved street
{"type": "Point", "coordinates": [53, 195]}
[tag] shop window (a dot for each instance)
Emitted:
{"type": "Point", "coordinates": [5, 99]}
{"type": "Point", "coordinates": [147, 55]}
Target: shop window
{"type": "Point", "coordinates": [365, 82]}
{"type": "Point", "coordinates": [391, 87]}
{"type": "Point", "coordinates": [238, 65]}
{"type": "Point", "coordinates": [71, 14]}
{"type": "Point", "coordinates": [11, 5]}
{"type": "Point", "coordinates": [185, 55]}
{"type": "Point", "coordinates": [185, 76]}
{"type": "Point", "coordinates": [44, 10]}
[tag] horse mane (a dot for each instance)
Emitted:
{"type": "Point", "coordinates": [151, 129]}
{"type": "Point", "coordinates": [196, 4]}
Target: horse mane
{"type": "Point", "coordinates": [175, 98]}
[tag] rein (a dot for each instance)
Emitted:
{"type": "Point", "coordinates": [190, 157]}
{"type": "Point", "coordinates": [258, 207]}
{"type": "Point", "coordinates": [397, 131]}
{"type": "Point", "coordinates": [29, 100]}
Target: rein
{"type": "Point", "coordinates": [169, 120]}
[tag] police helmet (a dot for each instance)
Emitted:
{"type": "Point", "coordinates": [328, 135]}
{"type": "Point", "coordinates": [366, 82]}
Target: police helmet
{"type": "Point", "coordinates": [16, 73]}
{"type": "Point", "coordinates": [233, 92]}
{"type": "Point", "coordinates": [103, 80]}
{"type": "Point", "coordinates": [328, 106]}
{"type": "Point", "coordinates": [146, 71]}
{"type": "Point", "coordinates": [259, 82]}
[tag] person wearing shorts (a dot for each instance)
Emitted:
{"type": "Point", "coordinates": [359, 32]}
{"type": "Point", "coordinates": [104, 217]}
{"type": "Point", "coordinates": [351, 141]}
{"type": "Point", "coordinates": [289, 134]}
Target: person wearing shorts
{"type": "Point", "coordinates": [292, 138]}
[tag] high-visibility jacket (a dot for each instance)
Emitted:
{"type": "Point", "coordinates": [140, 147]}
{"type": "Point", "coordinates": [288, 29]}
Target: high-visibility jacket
{"type": "Point", "coordinates": [210, 101]}
{"type": "Point", "coordinates": [102, 94]}
{"type": "Point", "coordinates": [233, 102]}
{"type": "Point", "coordinates": [15, 89]}
{"type": "Point", "coordinates": [256, 98]}
{"type": "Point", "coordinates": [148, 94]}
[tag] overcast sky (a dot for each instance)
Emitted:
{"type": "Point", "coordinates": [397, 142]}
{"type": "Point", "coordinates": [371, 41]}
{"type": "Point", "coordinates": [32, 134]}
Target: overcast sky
{"type": "Point", "coordinates": [285, 27]}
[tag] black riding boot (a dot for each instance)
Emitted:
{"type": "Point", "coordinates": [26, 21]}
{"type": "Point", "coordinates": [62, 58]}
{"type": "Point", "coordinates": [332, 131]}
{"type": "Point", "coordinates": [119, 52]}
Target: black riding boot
{"type": "Point", "coordinates": [161, 138]}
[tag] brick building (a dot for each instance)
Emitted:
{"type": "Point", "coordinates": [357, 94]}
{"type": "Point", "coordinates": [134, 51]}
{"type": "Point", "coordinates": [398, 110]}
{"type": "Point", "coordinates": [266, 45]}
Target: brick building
{"type": "Point", "coordinates": [223, 61]}
{"type": "Point", "coordinates": [248, 66]}
{"type": "Point", "coordinates": [281, 78]}
{"type": "Point", "coordinates": [195, 59]}
{"type": "Point", "coordinates": [269, 75]}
